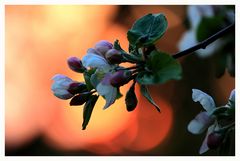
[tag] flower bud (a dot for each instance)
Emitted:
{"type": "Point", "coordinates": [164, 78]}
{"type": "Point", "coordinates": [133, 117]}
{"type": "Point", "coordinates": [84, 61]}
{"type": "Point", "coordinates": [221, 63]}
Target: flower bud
{"type": "Point", "coordinates": [94, 51]}
{"type": "Point", "coordinates": [75, 64]}
{"type": "Point", "coordinates": [61, 85]}
{"type": "Point", "coordinates": [77, 87]}
{"type": "Point", "coordinates": [120, 78]}
{"type": "Point", "coordinates": [214, 140]}
{"type": "Point", "coordinates": [113, 56]}
{"type": "Point", "coordinates": [131, 99]}
{"type": "Point", "coordinates": [103, 46]}
{"type": "Point", "coordinates": [80, 99]}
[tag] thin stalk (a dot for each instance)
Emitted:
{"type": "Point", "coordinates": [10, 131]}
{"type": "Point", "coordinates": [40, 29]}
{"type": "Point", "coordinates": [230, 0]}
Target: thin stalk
{"type": "Point", "coordinates": [206, 42]}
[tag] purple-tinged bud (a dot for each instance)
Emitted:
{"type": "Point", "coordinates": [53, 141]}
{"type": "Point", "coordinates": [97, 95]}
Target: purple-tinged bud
{"type": "Point", "coordinates": [120, 78]}
{"type": "Point", "coordinates": [113, 56]}
{"type": "Point", "coordinates": [77, 87]}
{"type": "Point", "coordinates": [61, 85]}
{"type": "Point", "coordinates": [80, 99]}
{"type": "Point", "coordinates": [75, 64]}
{"type": "Point", "coordinates": [214, 140]}
{"type": "Point", "coordinates": [103, 46]}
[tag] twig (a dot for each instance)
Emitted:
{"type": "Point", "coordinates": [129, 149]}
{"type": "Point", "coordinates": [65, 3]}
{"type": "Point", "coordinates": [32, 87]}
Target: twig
{"type": "Point", "coordinates": [206, 42]}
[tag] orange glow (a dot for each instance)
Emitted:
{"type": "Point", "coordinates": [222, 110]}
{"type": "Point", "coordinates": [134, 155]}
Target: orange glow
{"type": "Point", "coordinates": [39, 39]}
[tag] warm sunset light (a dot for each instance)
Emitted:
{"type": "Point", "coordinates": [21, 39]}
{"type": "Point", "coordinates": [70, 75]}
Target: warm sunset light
{"type": "Point", "coordinates": [40, 39]}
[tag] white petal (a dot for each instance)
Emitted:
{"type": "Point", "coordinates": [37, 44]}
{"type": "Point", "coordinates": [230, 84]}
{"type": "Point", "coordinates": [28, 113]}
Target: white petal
{"type": "Point", "coordinates": [210, 49]}
{"type": "Point", "coordinates": [204, 147]}
{"type": "Point", "coordinates": [62, 94]}
{"type": "Point", "coordinates": [194, 16]}
{"type": "Point", "coordinates": [232, 95]}
{"type": "Point", "coordinates": [188, 39]}
{"type": "Point", "coordinates": [204, 99]}
{"type": "Point", "coordinates": [196, 12]}
{"type": "Point", "coordinates": [206, 10]}
{"type": "Point", "coordinates": [108, 92]}
{"type": "Point", "coordinates": [60, 77]}
{"type": "Point", "coordinates": [200, 123]}
{"type": "Point", "coordinates": [95, 61]}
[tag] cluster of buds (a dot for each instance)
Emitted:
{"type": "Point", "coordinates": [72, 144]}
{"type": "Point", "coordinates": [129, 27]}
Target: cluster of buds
{"type": "Point", "coordinates": [102, 74]}
{"type": "Point", "coordinates": [106, 49]}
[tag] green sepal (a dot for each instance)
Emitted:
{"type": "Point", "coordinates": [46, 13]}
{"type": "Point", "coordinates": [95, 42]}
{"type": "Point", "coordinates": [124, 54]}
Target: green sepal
{"type": "Point", "coordinates": [87, 110]}
{"type": "Point", "coordinates": [131, 98]}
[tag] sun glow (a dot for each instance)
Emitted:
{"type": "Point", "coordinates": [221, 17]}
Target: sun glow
{"type": "Point", "coordinates": [39, 39]}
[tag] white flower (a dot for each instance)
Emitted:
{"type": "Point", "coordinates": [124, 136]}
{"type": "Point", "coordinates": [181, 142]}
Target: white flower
{"type": "Point", "coordinates": [205, 120]}
{"type": "Point", "coordinates": [202, 121]}
{"type": "Point", "coordinates": [61, 85]}
{"type": "Point", "coordinates": [232, 96]}
{"type": "Point", "coordinates": [195, 14]}
{"type": "Point", "coordinates": [100, 79]}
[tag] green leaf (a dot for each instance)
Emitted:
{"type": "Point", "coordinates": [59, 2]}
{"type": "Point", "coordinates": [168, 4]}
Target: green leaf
{"type": "Point", "coordinates": [131, 98]}
{"type": "Point", "coordinates": [209, 26]}
{"type": "Point", "coordinates": [87, 77]}
{"type": "Point", "coordinates": [146, 94]}
{"type": "Point", "coordinates": [87, 110]}
{"type": "Point", "coordinates": [160, 67]}
{"type": "Point", "coordinates": [147, 30]}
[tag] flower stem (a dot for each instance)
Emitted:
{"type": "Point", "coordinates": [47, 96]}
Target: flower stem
{"type": "Point", "coordinates": [206, 42]}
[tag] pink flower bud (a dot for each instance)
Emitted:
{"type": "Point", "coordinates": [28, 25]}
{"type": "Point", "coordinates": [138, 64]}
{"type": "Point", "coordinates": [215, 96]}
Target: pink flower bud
{"type": "Point", "coordinates": [77, 87]}
{"type": "Point", "coordinates": [103, 46]}
{"type": "Point", "coordinates": [113, 56]}
{"type": "Point", "coordinates": [75, 64]}
{"type": "Point", "coordinates": [214, 140]}
{"type": "Point", "coordinates": [120, 78]}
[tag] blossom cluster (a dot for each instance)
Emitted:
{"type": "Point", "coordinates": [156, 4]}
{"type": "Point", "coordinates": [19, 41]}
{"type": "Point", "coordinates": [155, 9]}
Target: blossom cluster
{"type": "Point", "coordinates": [218, 121]}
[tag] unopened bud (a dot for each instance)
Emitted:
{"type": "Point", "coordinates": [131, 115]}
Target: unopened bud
{"type": "Point", "coordinates": [131, 99]}
{"type": "Point", "coordinates": [77, 87]}
{"type": "Point", "coordinates": [113, 56]}
{"type": "Point", "coordinates": [75, 64]}
{"type": "Point", "coordinates": [103, 46]}
{"type": "Point", "coordinates": [120, 78]}
{"type": "Point", "coordinates": [61, 85]}
{"type": "Point", "coordinates": [214, 140]}
{"type": "Point", "coordinates": [80, 99]}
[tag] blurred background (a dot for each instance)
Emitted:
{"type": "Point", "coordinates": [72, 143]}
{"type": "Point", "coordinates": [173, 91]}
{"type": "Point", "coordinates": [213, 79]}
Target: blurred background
{"type": "Point", "coordinates": [38, 41]}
